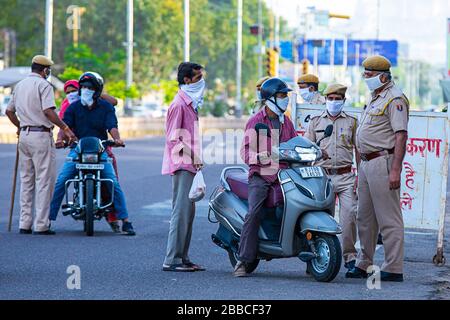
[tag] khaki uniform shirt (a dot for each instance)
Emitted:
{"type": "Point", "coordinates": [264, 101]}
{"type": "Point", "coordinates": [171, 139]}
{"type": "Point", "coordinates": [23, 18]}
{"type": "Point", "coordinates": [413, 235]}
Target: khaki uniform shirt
{"type": "Point", "coordinates": [341, 143]}
{"type": "Point", "coordinates": [30, 98]}
{"type": "Point", "coordinates": [316, 99]}
{"type": "Point", "coordinates": [386, 114]}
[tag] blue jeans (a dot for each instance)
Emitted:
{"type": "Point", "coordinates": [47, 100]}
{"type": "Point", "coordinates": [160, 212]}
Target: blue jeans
{"type": "Point", "coordinates": [69, 171]}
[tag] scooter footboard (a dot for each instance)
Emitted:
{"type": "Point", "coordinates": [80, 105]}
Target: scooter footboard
{"type": "Point", "coordinates": [319, 221]}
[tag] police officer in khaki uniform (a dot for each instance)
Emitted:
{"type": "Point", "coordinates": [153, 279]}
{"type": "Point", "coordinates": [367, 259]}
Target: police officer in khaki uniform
{"type": "Point", "coordinates": [338, 160]}
{"type": "Point", "coordinates": [32, 111]}
{"type": "Point", "coordinates": [309, 89]}
{"type": "Point", "coordinates": [381, 140]}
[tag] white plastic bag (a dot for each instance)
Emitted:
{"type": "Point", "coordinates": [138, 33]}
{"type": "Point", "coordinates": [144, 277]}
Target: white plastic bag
{"type": "Point", "coordinates": [198, 189]}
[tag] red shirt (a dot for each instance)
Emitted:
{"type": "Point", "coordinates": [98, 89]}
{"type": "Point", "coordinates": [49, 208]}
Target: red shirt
{"type": "Point", "coordinates": [249, 145]}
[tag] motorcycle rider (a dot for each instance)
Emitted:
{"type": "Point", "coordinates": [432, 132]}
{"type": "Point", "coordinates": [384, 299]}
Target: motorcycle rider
{"type": "Point", "coordinates": [91, 116]}
{"type": "Point", "coordinates": [71, 89]}
{"type": "Point", "coordinates": [263, 170]}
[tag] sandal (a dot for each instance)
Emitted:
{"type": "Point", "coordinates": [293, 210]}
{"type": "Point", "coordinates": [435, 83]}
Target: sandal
{"type": "Point", "coordinates": [178, 268]}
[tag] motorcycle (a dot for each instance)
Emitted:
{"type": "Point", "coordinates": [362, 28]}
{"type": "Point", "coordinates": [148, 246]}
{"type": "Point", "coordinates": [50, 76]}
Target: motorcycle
{"type": "Point", "coordinates": [87, 204]}
{"type": "Point", "coordinates": [298, 213]}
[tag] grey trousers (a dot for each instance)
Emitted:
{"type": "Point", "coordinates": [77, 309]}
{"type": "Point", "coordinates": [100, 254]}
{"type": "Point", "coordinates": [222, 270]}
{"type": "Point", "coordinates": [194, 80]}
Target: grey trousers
{"type": "Point", "coordinates": [183, 212]}
{"type": "Point", "coordinates": [258, 190]}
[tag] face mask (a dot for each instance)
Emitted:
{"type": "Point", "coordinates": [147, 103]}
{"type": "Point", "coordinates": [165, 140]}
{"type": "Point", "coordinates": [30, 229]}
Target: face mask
{"type": "Point", "coordinates": [87, 97]}
{"type": "Point", "coordinates": [306, 94]}
{"type": "Point", "coordinates": [334, 108]}
{"type": "Point", "coordinates": [73, 97]}
{"type": "Point", "coordinates": [258, 95]}
{"type": "Point", "coordinates": [47, 73]}
{"type": "Point", "coordinates": [374, 83]}
{"type": "Point", "coordinates": [282, 104]}
{"type": "Point", "coordinates": [195, 91]}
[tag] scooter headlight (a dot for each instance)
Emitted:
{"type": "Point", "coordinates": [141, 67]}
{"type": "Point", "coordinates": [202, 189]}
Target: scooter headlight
{"type": "Point", "coordinates": [307, 154]}
{"type": "Point", "coordinates": [89, 158]}
{"type": "Point", "coordinates": [289, 155]}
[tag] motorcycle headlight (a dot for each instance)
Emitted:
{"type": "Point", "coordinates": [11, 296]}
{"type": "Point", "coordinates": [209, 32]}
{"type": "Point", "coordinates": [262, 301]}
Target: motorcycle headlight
{"type": "Point", "coordinates": [307, 154]}
{"type": "Point", "coordinates": [89, 158]}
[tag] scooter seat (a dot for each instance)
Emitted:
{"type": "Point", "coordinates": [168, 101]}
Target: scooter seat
{"type": "Point", "coordinates": [238, 182]}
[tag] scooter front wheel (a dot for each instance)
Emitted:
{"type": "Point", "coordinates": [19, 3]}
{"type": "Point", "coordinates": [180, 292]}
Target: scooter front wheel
{"type": "Point", "coordinates": [326, 266]}
{"type": "Point", "coordinates": [233, 256]}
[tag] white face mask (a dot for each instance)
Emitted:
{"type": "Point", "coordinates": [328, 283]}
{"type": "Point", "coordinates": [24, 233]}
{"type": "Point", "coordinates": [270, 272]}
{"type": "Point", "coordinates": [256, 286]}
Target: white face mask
{"type": "Point", "coordinates": [195, 91]}
{"type": "Point", "coordinates": [334, 108]}
{"type": "Point", "coordinates": [306, 94]}
{"type": "Point", "coordinates": [73, 97]}
{"type": "Point", "coordinates": [374, 83]}
{"type": "Point", "coordinates": [87, 97]}
{"type": "Point", "coordinates": [282, 104]}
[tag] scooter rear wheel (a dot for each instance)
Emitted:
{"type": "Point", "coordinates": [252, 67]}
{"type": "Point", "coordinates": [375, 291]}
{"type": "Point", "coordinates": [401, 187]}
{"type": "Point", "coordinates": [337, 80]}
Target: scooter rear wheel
{"type": "Point", "coordinates": [326, 266]}
{"type": "Point", "coordinates": [233, 256]}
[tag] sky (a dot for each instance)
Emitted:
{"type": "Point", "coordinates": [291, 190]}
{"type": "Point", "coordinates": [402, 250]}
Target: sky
{"type": "Point", "coordinates": [421, 24]}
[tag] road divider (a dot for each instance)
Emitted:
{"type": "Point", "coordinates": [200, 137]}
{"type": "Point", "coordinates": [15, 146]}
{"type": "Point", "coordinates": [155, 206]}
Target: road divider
{"type": "Point", "coordinates": [133, 128]}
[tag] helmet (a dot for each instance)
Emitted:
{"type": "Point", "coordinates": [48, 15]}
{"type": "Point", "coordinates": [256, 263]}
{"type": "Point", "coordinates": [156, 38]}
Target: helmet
{"type": "Point", "coordinates": [92, 80]}
{"type": "Point", "coordinates": [271, 87]}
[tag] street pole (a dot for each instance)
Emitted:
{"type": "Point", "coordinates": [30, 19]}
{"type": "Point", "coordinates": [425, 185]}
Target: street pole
{"type": "Point", "coordinates": [187, 31]}
{"type": "Point", "coordinates": [239, 61]}
{"type": "Point", "coordinates": [260, 40]}
{"type": "Point", "coordinates": [277, 27]}
{"type": "Point", "coordinates": [357, 75]}
{"type": "Point", "coordinates": [48, 28]}
{"type": "Point", "coordinates": [378, 18]}
{"type": "Point", "coordinates": [333, 76]}
{"type": "Point", "coordinates": [316, 61]}
{"type": "Point", "coordinates": [130, 47]}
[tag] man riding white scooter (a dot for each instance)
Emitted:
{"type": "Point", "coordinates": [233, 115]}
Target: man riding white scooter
{"type": "Point", "coordinates": [263, 170]}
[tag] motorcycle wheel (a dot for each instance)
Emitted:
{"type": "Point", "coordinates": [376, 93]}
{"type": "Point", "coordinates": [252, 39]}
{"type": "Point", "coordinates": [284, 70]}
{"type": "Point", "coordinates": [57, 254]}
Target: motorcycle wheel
{"type": "Point", "coordinates": [234, 259]}
{"type": "Point", "coordinates": [89, 222]}
{"type": "Point", "coordinates": [326, 266]}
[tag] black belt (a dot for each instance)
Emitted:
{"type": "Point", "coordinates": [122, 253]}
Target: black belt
{"type": "Point", "coordinates": [339, 171]}
{"type": "Point", "coordinates": [370, 156]}
{"type": "Point", "coordinates": [35, 129]}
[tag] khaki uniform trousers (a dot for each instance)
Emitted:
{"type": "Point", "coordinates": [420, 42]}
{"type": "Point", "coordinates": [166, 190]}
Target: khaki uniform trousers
{"type": "Point", "coordinates": [379, 209]}
{"type": "Point", "coordinates": [37, 175]}
{"type": "Point", "coordinates": [343, 187]}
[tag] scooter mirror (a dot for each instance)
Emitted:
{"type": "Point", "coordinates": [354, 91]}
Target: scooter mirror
{"type": "Point", "coordinates": [263, 128]}
{"type": "Point", "coordinates": [327, 133]}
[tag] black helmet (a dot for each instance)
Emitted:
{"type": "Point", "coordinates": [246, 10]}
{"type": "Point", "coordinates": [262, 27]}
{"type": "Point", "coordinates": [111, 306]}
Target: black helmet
{"type": "Point", "coordinates": [92, 80]}
{"type": "Point", "coordinates": [271, 87]}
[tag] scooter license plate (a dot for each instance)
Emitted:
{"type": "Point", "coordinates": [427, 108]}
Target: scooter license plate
{"type": "Point", "coordinates": [90, 166]}
{"type": "Point", "coordinates": [311, 172]}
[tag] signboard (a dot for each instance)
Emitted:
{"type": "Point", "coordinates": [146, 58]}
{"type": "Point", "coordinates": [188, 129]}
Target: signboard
{"type": "Point", "coordinates": [425, 168]}
{"type": "Point", "coordinates": [355, 49]}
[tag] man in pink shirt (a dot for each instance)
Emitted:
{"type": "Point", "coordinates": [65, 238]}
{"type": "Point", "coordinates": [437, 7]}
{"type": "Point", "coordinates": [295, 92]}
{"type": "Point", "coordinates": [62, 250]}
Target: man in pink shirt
{"type": "Point", "coordinates": [263, 170]}
{"type": "Point", "coordinates": [182, 160]}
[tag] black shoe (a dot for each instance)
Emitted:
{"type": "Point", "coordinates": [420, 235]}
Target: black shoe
{"type": "Point", "coordinates": [114, 226]}
{"type": "Point", "coordinates": [25, 231]}
{"type": "Point", "coordinates": [350, 265]}
{"type": "Point", "coordinates": [380, 240]}
{"type": "Point", "coordinates": [356, 273]}
{"type": "Point", "coordinates": [45, 233]}
{"type": "Point", "coordinates": [127, 229]}
{"type": "Point", "coordinates": [394, 277]}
